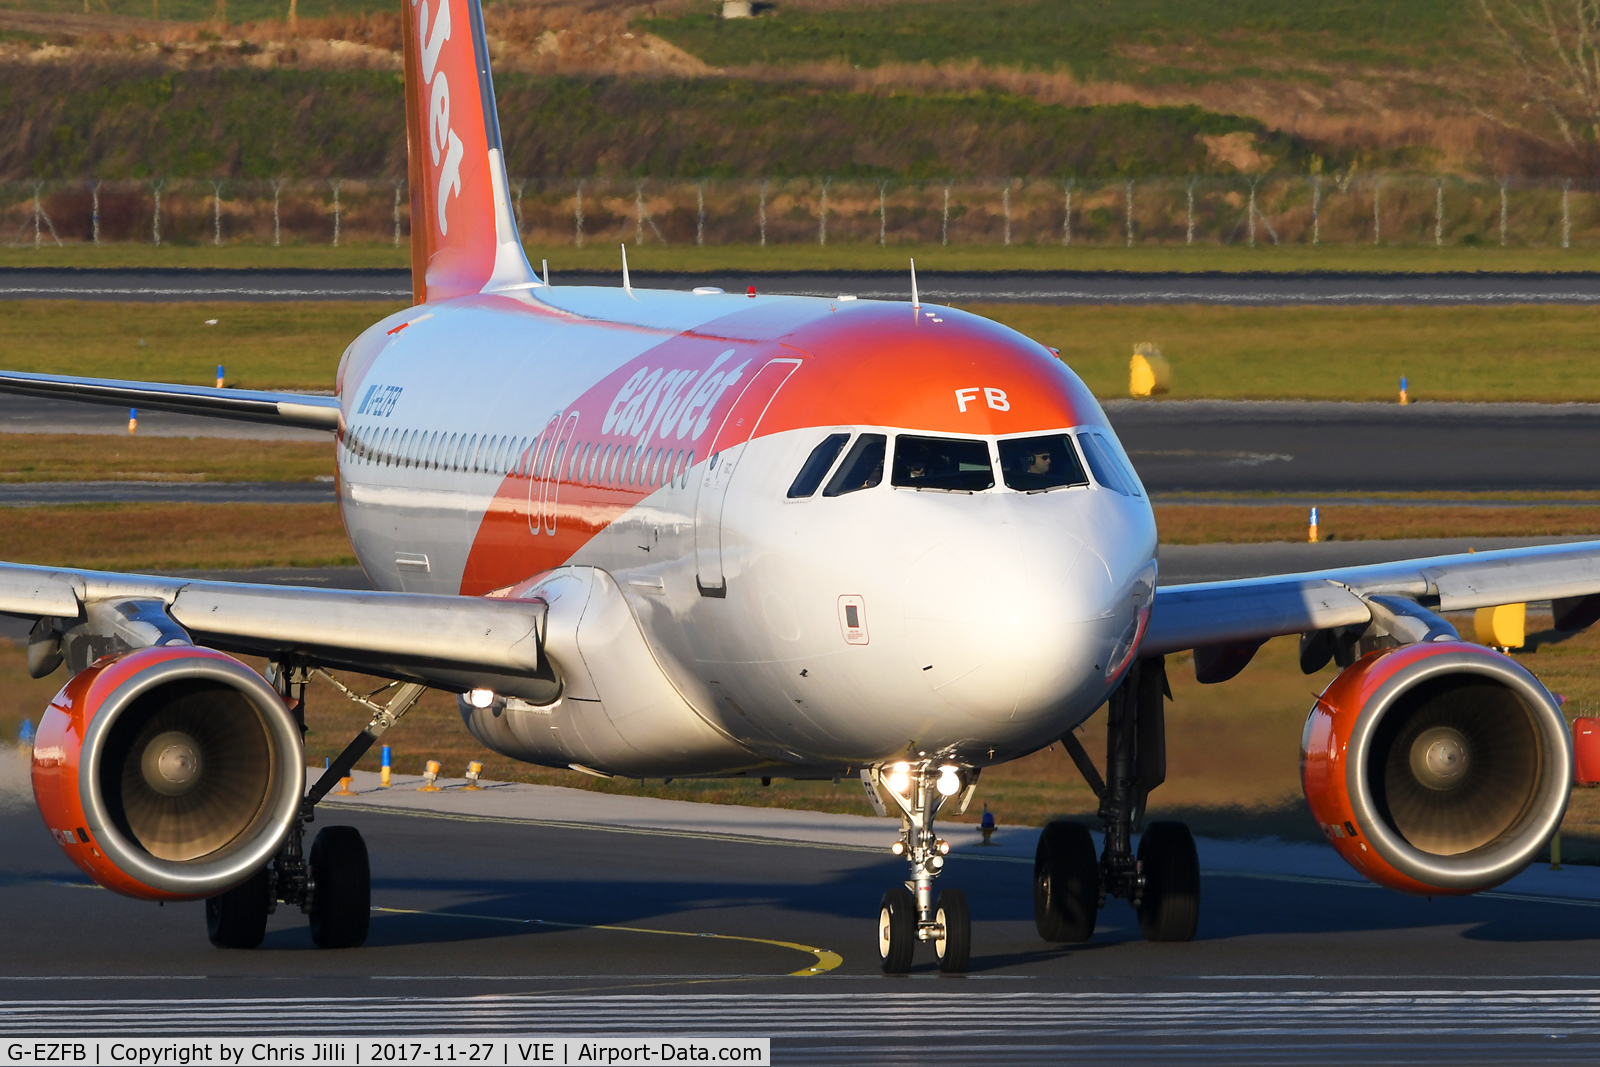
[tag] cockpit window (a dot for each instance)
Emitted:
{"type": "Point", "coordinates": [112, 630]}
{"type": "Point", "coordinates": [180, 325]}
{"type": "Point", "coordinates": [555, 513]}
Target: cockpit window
{"type": "Point", "coordinates": [1033, 464]}
{"type": "Point", "coordinates": [817, 464]}
{"type": "Point", "coordinates": [1107, 465]}
{"type": "Point", "coordinates": [944, 463]}
{"type": "Point", "coordinates": [862, 467]}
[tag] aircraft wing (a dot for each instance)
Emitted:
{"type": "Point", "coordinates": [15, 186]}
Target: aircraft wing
{"type": "Point", "coordinates": [1244, 613]}
{"type": "Point", "coordinates": [308, 411]}
{"type": "Point", "coordinates": [453, 642]}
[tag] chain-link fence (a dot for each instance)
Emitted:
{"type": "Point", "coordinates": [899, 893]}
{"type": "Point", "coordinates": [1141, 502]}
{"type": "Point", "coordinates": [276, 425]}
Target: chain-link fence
{"type": "Point", "coordinates": [1382, 210]}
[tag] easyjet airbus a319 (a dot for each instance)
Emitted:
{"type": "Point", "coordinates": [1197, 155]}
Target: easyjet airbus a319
{"type": "Point", "coordinates": [697, 534]}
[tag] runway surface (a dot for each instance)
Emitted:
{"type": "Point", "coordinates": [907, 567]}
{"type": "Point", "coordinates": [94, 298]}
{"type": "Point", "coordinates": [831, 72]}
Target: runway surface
{"type": "Point", "coordinates": [30, 414]}
{"type": "Point", "coordinates": [1181, 564]}
{"type": "Point", "coordinates": [1178, 445]}
{"type": "Point", "coordinates": [1037, 287]}
{"type": "Point", "coordinates": [1302, 447]}
{"type": "Point", "coordinates": [564, 912]}
{"type": "Point", "coordinates": [39, 494]}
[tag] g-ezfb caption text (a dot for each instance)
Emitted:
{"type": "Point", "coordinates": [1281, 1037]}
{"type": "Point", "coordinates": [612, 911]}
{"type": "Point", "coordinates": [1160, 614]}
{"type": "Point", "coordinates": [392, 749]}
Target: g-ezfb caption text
{"type": "Point", "coordinates": [277, 1052]}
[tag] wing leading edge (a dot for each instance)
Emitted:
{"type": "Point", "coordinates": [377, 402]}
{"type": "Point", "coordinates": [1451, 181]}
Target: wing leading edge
{"type": "Point", "coordinates": [451, 642]}
{"type": "Point", "coordinates": [1242, 614]}
{"type": "Point", "coordinates": [307, 411]}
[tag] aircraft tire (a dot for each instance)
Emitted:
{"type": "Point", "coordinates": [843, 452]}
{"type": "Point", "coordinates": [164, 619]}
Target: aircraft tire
{"type": "Point", "coordinates": [1170, 908]}
{"type": "Point", "coordinates": [238, 918]}
{"type": "Point", "coordinates": [954, 946]}
{"type": "Point", "coordinates": [1066, 883]}
{"type": "Point", "coordinates": [897, 930]}
{"type": "Point", "coordinates": [341, 902]}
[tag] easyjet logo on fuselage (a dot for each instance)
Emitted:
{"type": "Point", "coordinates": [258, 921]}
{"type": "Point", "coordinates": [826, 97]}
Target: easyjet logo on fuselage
{"type": "Point", "coordinates": [443, 144]}
{"type": "Point", "coordinates": [662, 402]}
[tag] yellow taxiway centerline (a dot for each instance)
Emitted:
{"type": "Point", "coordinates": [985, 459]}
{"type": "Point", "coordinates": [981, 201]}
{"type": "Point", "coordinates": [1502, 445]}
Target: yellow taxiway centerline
{"type": "Point", "coordinates": [826, 961]}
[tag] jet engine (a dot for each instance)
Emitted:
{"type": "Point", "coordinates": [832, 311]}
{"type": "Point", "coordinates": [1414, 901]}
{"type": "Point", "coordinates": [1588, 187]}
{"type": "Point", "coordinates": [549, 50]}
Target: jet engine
{"type": "Point", "coordinates": [1437, 768]}
{"type": "Point", "coordinates": [168, 773]}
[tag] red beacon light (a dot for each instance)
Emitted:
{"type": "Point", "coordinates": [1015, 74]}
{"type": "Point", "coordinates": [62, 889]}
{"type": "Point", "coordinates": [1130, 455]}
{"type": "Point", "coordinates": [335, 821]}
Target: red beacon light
{"type": "Point", "coordinates": [750, 291]}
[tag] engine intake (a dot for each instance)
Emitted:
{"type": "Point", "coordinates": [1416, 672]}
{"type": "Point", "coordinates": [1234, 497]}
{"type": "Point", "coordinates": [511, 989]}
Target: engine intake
{"type": "Point", "coordinates": [1437, 768]}
{"type": "Point", "coordinates": [169, 773]}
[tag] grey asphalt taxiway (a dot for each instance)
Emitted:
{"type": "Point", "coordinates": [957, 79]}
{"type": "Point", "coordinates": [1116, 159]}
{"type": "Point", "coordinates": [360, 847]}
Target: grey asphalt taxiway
{"type": "Point", "coordinates": [1177, 446]}
{"type": "Point", "coordinates": [749, 922]}
{"type": "Point", "coordinates": [1039, 287]}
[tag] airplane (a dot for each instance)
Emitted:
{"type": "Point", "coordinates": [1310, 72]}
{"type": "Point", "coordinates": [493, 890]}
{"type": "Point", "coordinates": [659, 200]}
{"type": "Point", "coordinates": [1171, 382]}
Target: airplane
{"type": "Point", "coordinates": [697, 534]}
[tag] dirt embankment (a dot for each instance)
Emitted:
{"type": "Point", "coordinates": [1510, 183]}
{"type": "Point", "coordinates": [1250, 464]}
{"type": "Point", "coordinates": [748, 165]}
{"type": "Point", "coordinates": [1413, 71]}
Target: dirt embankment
{"type": "Point", "coordinates": [1414, 119]}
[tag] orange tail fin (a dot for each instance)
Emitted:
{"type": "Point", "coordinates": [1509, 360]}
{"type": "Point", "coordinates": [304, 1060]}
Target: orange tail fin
{"type": "Point", "coordinates": [463, 233]}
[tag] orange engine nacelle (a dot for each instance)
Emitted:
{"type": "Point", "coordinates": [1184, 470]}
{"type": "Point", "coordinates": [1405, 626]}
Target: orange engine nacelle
{"type": "Point", "coordinates": [169, 773]}
{"type": "Point", "coordinates": [1437, 768]}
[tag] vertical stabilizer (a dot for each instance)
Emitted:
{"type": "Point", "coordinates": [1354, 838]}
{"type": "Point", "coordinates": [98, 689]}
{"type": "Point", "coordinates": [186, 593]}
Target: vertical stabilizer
{"type": "Point", "coordinates": [463, 233]}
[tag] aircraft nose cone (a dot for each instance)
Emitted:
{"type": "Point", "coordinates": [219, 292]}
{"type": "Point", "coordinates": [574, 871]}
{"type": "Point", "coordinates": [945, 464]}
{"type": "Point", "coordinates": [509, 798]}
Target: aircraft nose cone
{"type": "Point", "coordinates": [1002, 635]}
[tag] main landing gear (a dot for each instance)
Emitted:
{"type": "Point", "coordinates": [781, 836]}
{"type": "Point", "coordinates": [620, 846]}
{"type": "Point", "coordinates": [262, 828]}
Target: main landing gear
{"type": "Point", "coordinates": [909, 913]}
{"type": "Point", "coordinates": [333, 885]}
{"type": "Point", "coordinates": [1162, 881]}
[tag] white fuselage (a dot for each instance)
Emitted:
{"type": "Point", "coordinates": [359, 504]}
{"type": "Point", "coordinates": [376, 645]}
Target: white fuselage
{"type": "Point", "coordinates": [983, 624]}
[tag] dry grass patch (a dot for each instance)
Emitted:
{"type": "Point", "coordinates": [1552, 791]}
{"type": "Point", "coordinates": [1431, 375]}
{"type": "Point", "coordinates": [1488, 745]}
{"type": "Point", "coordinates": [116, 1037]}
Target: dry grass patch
{"type": "Point", "coordinates": [35, 457]}
{"type": "Point", "coordinates": [141, 537]}
{"type": "Point", "coordinates": [1197, 524]}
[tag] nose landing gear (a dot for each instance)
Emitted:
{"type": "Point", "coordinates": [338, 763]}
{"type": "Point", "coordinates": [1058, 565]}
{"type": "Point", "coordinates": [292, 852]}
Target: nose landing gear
{"type": "Point", "coordinates": [1161, 881]}
{"type": "Point", "coordinates": [909, 913]}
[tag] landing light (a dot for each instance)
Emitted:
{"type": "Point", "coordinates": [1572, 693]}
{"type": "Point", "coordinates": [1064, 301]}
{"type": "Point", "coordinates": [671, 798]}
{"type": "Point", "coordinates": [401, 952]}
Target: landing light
{"type": "Point", "coordinates": [949, 781]}
{"type": "Point", "coordinates": [480, 698]}
{"type": "Point", "coordinates": [900, 778]}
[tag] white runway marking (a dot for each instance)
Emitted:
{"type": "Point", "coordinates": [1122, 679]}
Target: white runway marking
{"type": "Point", "coordinates": [888, 1017]}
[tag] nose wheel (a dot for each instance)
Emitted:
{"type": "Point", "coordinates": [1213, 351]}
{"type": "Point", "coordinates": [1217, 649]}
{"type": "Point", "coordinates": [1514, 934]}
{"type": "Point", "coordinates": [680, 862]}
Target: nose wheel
{"type": "Point", "coordinates": [897, 930]}
{"type": "Point", "coordinates": [909, 914]}
{"type": "Point", "coordinates": [953, 944]}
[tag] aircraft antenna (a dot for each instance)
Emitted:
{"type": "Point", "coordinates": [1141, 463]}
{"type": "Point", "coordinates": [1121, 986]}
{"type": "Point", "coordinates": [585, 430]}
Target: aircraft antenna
{"type": "Point", "coordinates": [546, 263]}
{"type": "Point", "coordinates": [916, 301]}
{"type": "Point", "coordinates": [626, 285]}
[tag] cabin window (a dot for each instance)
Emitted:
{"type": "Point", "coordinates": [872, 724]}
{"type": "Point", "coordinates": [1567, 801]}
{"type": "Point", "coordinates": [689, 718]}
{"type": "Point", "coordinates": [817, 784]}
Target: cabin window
{"type": "Point", "coordinates": [817, 465]}
{"type": "Point", "coordinates": [688, 465]}
{"type": "Point", "coordinates": [862, 467]}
